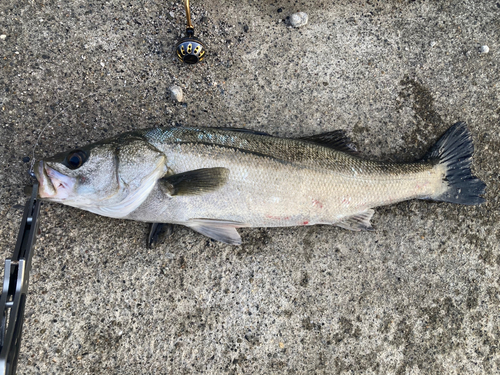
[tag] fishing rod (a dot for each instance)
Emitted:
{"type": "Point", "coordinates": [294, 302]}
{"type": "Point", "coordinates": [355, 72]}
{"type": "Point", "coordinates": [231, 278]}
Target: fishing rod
{"type": "Point", "coordinates": [190, 50]}
{"type": "Point", "coordinates": [15, 286]}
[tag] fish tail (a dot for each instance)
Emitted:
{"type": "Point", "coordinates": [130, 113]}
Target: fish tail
{"type": "Point", "coordinates": [454, 151]}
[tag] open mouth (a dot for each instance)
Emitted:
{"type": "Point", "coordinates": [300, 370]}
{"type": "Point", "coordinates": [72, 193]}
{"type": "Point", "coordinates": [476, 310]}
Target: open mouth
{"type": "Point", "coordinates": [47, 188]}
{"type": "Point", "coordinates": [53, 184]}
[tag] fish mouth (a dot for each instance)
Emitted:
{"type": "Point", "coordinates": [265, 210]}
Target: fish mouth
{"type": "Point", "coordinates": [53, 184]}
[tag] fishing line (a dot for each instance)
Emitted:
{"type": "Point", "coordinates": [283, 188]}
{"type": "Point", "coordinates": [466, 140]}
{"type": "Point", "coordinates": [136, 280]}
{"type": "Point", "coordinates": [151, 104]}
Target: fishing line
{"type": "Point", "coordinates": [31, 172]}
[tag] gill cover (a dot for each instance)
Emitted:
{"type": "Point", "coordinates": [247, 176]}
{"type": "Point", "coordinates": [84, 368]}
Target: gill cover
{"type": "Point", "coordinates": [110, 178]}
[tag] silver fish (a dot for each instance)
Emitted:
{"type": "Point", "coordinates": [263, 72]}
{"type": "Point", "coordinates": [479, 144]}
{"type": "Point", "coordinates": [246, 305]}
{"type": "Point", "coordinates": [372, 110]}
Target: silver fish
{"type": "Point", "coordinates": [215, 180]}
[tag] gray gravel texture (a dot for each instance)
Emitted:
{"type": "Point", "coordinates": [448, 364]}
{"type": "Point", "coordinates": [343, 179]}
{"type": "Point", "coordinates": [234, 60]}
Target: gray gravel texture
{"type": "Point", "coordinates": [421, 295]}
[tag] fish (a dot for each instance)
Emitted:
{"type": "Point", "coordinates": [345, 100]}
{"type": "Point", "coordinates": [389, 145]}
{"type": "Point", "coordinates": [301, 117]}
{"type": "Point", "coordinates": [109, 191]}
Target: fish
{"type": "Point", "coordinates": [216, 180]}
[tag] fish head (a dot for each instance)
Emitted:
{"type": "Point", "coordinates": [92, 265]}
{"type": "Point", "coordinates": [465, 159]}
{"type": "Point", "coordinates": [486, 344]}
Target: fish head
{"type": "Point", "coordinates": [110, 178]}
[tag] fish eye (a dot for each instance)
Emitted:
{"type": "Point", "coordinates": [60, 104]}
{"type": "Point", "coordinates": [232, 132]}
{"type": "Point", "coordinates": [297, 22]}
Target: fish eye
{"type": "Point", "coordinates": [75, 159]}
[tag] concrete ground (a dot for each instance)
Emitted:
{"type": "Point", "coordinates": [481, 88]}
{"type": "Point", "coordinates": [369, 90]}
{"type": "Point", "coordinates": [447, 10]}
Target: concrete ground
{"type": "Point", "coordinates": [421, 295]}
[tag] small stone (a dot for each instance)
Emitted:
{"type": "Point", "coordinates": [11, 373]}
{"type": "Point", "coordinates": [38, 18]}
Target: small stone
{"type": "Point", "coordinates": [176, 93]}
{"type": "Point", "coordinates": [432, 44]}
{"type": "Point", "coordinates": [3, 36]}
{"type": "Point", "coordinates": [484, 49]}
{"type": "Point", "coordinates": [298, 19]}
{"type": "Point", "coordinates": [26, 159]}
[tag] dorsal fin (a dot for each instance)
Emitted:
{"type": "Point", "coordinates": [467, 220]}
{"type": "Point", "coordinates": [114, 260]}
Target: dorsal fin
{"type": "Point", "coordinates": [243, 130]}
{"type": "Point", "coordinates": [337, 140]}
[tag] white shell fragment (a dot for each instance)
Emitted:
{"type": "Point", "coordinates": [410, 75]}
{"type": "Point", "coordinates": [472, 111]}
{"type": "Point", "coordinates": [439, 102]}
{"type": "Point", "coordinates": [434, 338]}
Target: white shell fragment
{"type": "Point", "coordinates": [176, 93]}
{"type": "Point", "coordinates": [298, 19]}
{"type": "Point", "coordinates": [3, 36]}
{"type": "Point", "coordinates": [484, 49]}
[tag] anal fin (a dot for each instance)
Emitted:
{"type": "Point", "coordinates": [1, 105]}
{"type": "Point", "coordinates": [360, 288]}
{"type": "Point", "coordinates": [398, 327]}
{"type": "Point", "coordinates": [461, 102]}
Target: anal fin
{"type": "Point", "coordinates": [358, 222]}
{"type": "Point", "coordinates": [220, 230]}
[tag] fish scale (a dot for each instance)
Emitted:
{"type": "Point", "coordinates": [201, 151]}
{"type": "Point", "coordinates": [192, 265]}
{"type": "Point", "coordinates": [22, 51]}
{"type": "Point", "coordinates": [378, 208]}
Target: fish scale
{"type": "Point", "coordinates": [297, 172]}
{"type": "Point", "coordinates": [215, 180]}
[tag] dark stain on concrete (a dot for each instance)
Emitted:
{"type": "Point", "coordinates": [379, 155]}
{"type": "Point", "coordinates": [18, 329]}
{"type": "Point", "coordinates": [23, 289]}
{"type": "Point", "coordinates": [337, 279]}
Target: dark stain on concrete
{"type": "Point", "coordinates": [443, 324]}
{"type": "Point", "coordinates": [254, 241]}
{"type": "Point", "coordinates": [421, 100]}
{"type": "Point", "coordinates": [304, 281]}
{"type": "Point", "coordinates": [308, 325]}
{"type": "Point", "coordinates": [429, 123]}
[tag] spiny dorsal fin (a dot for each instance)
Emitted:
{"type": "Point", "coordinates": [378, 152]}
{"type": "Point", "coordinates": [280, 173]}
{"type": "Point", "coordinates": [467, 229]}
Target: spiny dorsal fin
{"type": "Point", "coordinates": [194, 182]}
{"type": "Point", "coordinates": [360, 221]}
{"type": "Point", "coordinates": [243, 130]}
{"type": "Point", "coordinates": [220, 230]}
{"type": "Point", "coordinates": [337, 139]}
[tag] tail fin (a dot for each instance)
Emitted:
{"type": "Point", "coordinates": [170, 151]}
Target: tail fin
{"type": "Point", "coordinates": [454, 150]}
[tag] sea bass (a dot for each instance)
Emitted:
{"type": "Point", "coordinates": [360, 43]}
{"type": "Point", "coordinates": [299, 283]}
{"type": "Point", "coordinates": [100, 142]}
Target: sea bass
{"type": "Point", "coordinates": [215, 180]}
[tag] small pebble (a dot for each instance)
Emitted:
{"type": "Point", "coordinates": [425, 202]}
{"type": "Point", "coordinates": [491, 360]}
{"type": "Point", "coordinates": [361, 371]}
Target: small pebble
{"type": "Point", "coordinates": [484, 49]}
{"type": "Point", "coordinates": [3, 36]}
{"type": "Point", "coordinates": [26, 159]}
{"type": "Point", "coordinates": [298, 19]}
{"type": "Point", "coordinates": [176, 93]}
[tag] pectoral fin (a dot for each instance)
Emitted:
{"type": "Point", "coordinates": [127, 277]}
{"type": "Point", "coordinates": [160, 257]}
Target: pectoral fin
{"type": "Point", "coordinates": [360, 221]}
{"type": "Point", "coordinates": [194, 182]}
{"type": "Point", "coordinates": [220, 230]}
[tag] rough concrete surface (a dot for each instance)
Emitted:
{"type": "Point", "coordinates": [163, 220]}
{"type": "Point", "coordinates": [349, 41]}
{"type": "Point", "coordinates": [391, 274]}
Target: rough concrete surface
{"type": "Point", "coordinates": [421, 295]}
